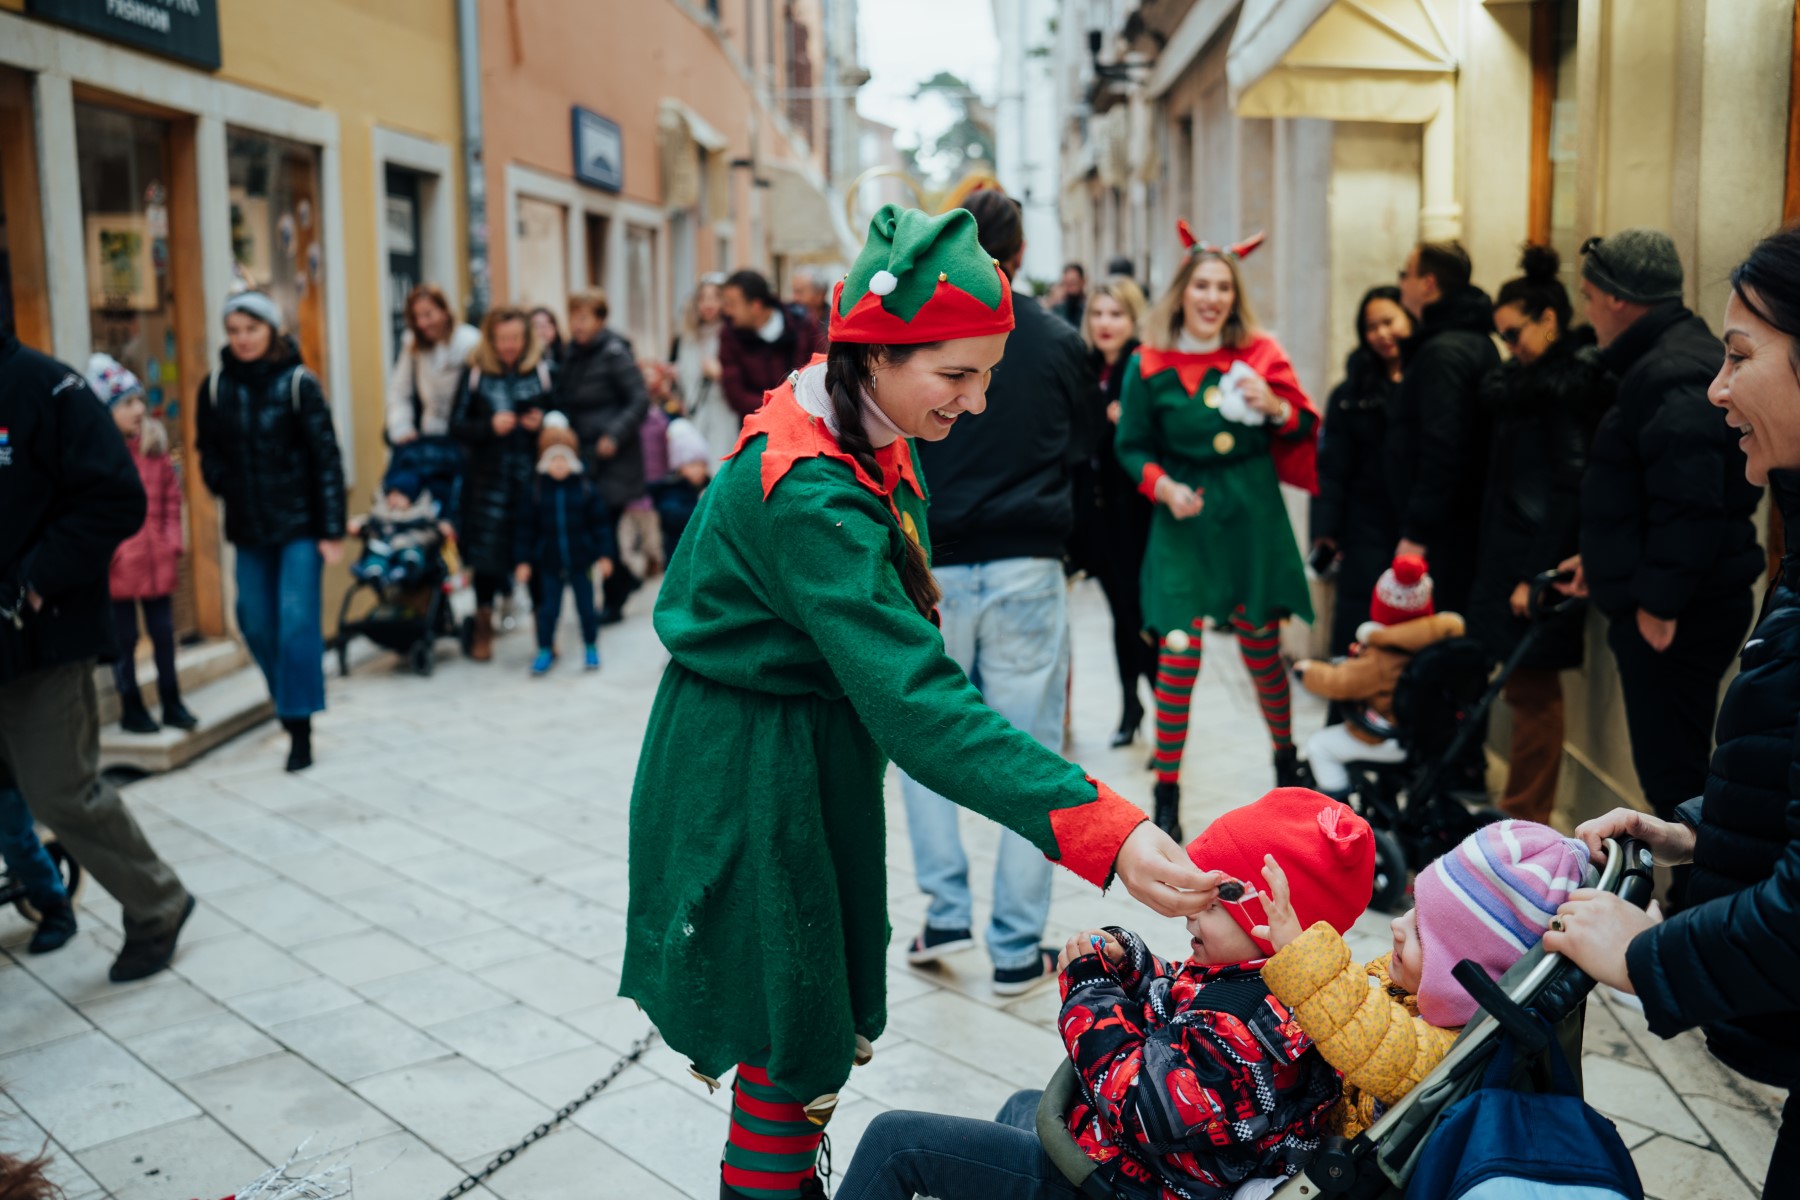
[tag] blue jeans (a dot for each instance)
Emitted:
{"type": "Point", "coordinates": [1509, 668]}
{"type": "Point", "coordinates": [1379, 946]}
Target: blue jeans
{"type": "Point", "coordinates": [278, 612]}
{"type": "Point", "coordinates": [1007, 624]}
{"type": "Point", "coordinates": [551, 582]}
{"type": "Point", "coordinates": [955, 1158]}
{"type": "Point", "coordinates": [25, 857]}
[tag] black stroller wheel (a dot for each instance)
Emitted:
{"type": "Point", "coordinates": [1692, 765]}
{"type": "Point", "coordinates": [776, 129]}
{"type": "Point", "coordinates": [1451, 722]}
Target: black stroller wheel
{"type": "Point", "coordinates": [1391, 874]}
{"type": "Point", "coordinates": [66, 866]}
{"type": "Point", "coordinates": [422, 658]}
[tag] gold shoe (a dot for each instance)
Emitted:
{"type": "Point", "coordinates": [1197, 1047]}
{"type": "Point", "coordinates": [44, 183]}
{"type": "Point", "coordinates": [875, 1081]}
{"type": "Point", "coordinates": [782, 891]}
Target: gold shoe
{"type": "Point", "coordinates": [712, 1085]}
{"type": "Point", "coordinates": [865, 1051]}
{"type": "Point", "coordinates": [819, 1111]}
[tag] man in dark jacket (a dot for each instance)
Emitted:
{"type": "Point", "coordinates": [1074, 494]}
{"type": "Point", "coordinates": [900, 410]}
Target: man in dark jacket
{"type": "Point", "coordinates": [767, 340]}
{"type": "Point", "coordinates": [1436, 444]}
{"type": "Point", "coordinates": [602, 392]}
{"type": "Point", "coordinates": [71, 495]}
{"type": "Point", "coordinates": [1002, 510]}
{"type": "Point", "coordinates": [1668, 545]}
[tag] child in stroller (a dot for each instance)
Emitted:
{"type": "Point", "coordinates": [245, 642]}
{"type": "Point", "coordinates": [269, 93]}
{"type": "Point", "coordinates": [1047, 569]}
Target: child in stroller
{"type": "Point", "coordinates": [401, 533]}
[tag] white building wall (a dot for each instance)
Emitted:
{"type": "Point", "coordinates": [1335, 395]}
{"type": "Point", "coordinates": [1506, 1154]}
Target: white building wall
{"type": "Point", "coordinates": [1026, 136]}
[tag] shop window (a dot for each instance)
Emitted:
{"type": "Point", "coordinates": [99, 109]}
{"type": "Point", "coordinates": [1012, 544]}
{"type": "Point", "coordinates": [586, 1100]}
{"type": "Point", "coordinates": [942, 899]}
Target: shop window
{"type": "Point", "coordinates": [641, 291]}
{"type": "Point", "coordinates": [277, 245]}
{"type": "Point", "coordinates": [599, 230]}
{"type": "Point", "coordinates": [541, 250]}
{"type": "Point", "coordinates": [24, 285]}
{"type": "Point", "coordinates": [405, 258]}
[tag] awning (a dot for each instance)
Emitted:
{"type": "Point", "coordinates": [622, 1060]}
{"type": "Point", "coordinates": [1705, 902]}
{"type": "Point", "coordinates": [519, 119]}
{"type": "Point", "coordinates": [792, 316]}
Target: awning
{"type": "Point", "coordinates": [1344, 60]}
{"type": "Point", "coordinates": [803, 222]}
{"type": "Point", "coordinates": [690, 148]}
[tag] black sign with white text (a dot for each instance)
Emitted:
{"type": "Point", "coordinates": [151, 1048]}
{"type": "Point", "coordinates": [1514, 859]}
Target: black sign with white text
{"type": "Point", "coordinates": [187, 30]}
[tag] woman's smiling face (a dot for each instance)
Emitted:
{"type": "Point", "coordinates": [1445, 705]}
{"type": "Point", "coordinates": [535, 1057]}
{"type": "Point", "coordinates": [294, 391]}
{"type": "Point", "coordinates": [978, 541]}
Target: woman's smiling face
{"type": "Point", "coordinates": [926, 395]}
{"type": "Point", "coordinates": [1759, 391]}
{"type": "Point", "coordinates": [1209, 299]}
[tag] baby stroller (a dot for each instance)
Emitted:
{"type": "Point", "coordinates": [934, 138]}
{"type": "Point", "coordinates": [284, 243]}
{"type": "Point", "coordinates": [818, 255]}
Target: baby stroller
{"type": "Point", "coordinates": [1440, 710]}
{"type": "Point", "coordinates": [13, 892]}
{"type": "Point", "coordinates": [1540, 990]}
{"type": "Point", "coordinates": [407, 619]}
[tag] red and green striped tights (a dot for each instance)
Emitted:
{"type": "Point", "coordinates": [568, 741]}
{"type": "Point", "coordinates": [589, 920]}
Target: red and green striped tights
{"type": "Point", "coordinates": [773, 1149]}
{"type": "Point", "coordinates": [1177, 671]}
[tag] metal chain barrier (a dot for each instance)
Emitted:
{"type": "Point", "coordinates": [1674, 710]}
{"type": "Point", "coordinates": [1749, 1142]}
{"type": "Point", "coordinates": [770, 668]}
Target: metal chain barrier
{"type": "Point", "coordinates": [471, 1182]}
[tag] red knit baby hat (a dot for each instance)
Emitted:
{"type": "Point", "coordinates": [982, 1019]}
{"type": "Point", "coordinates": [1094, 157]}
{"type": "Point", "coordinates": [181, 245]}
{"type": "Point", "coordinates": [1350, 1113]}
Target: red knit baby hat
{"type": "Point", "coordinates": [1324, 848]}
{"type": "Point", "coordinates": [1403, 593]}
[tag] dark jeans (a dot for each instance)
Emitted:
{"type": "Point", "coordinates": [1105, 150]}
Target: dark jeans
{"type": "Point", "coordinates": [551, 581]}
{"type": "Point", "coordinates": [903, 1154]}
{"type": "Point", "coordinates": [159, 623]}
{"type": "Point", "coordinates": [621, 583]}
{"type": "Point", "coordinates": [26, 860]}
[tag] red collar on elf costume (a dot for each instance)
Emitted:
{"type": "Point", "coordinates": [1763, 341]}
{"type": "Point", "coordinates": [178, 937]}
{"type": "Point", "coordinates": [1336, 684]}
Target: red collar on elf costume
{"type": "Point", "coordinates": [919, 279]}
{"type": "Point", "coordinates": [796, 434]}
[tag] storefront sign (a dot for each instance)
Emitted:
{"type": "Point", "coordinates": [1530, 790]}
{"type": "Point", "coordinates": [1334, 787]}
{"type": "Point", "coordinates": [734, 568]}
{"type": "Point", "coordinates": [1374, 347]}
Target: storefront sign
{"type": "Point", "coordinates": [187, 30]}
{"type": "Point", "coordinates": [599, 151]}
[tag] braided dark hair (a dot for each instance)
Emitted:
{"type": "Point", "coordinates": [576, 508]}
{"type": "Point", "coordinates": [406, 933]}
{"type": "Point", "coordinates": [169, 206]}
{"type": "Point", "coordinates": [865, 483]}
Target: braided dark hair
{"type": "Point", "coordinates": [849, 373]}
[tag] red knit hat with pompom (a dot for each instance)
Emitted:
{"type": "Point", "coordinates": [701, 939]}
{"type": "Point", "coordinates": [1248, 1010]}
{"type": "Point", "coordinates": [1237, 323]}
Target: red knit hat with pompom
{"type": "Point", "coordinates": [1403, 593]}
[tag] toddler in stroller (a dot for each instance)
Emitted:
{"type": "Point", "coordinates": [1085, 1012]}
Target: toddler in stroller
{"type": "Point", "coordinates": [1195, 1082]}
{"type": "Point", "coordinates": [401, 533]}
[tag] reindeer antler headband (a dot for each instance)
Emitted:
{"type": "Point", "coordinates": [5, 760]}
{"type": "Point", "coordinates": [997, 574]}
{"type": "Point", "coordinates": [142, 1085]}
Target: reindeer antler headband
{"type": "Point", "coordinates": [1192, 245]}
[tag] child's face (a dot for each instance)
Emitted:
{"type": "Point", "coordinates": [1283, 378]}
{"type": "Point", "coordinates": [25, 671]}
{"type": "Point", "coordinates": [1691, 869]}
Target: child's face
{"type": "Point", "coordinates": [1216, 939]}
{"type": "Point", "coordinates": [560, 467]}
{"type": "Point", "coordinates": [1408, 962]}
{"type": "Point", "coordinates": [397, 500]}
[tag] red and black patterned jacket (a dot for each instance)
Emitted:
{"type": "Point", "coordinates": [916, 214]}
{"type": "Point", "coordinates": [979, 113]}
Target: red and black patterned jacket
{"type": "Point", "coordinates": [1193, 1077]}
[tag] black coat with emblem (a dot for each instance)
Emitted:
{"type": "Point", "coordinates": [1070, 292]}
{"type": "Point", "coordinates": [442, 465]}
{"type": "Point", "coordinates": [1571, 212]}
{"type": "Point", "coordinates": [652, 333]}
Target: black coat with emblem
{"type": "Point", "coordinates": [1543, 418]}
{"type": "Point", "coordinates": [68, 496]}
{"type": "Point", "coordinates": [1730, 960]}
{"type": "Point", "coordinates": [268, 450]}
{"type": "Point", "coordinates": [499, 466]}
{"type": "Point", "coordinates": [600, 389]}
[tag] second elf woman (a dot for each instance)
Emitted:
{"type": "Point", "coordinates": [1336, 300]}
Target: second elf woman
{"type": "Point", "coordinates": [1211, 421]}
{"type": "Point", "coordinates": [798, 615]}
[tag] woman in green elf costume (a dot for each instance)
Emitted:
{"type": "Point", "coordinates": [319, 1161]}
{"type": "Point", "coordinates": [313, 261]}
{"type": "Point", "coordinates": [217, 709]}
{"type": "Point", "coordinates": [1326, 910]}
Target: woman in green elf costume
{"type": "Point", "coordinates": [1211, 422]}
{"type": "Point", "coordinates": [798, 614]}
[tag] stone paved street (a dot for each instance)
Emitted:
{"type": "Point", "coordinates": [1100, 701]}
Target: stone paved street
{"type": "Point", "coordinates": [409, 956]}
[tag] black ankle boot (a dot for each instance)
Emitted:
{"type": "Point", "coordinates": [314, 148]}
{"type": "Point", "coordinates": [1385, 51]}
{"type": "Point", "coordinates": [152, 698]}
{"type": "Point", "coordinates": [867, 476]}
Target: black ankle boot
{"type": "Point", "coordinates": [1168, 809]}
{"type": "Point", "coordinates": [1128, 723]}
{"type": "Point", "coordinates": [134, 717]}
{"type": "Point", "coordinates": [1288, 770]}
{"type": "Point", "coordinates": [175, 714]}
{"type": "Point", "coordinates": [300, 734]}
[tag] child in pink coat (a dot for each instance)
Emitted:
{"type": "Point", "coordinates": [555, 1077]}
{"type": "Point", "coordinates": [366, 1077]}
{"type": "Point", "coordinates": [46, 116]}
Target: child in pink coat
{"type": "Point", "coordinates": [146, 566]}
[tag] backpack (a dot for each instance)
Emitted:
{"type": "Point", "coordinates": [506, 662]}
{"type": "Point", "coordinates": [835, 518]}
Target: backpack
{"type": "Point", "coordinates": [1499, 1144]}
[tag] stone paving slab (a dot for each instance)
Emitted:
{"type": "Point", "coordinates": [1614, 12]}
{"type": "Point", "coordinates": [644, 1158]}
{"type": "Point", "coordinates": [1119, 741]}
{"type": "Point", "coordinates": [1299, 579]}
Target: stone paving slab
{"type": "Point", "coordinates": [409, 955]}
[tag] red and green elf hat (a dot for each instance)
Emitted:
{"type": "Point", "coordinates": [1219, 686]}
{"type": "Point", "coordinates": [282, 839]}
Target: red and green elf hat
{"type": "Point", "coordinates": [921, 279]}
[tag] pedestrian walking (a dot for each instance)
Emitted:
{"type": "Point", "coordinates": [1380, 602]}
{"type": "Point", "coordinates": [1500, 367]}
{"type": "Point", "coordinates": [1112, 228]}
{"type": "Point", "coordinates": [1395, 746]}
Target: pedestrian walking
{"type": "Point", "coordinates": [602, 392]}
{"type": "Point", "coordinates": [1112, 518]}
{"type": "Point", "coordinates": [70, 495]}
{"type": "Point", "coordinates": [1071, 297]}
{"type": "Point", "coordinates": [804, 657]}
{"type": "Point", "coordinates": [1542, 405]}
{"type": "Point", "coordinates": [1436, 446]}
{"type": "Point", "coordinates": [698, 371]}
{"type": "Point", "coordinates": [564, 534]}
{"type": "Point", "coordinates": [1002, 511]}
{"type": "Point", "coordinates": [1727, 962]}
{"type": "Point", "coordinates": [1221, 549]}
{"type": "Point", "coordinates": [147, 565]}
{"type": "Point", "coordinates": [548, 334]}
{"type": "Point", "coordinates": [500, 404]}
{"type": "Point", "coordinates": [269, 452]}
{"type": "Point", "coordinates": [1668, 544]}
{"type": "Point", "coordinates": [1353, 523]}
{"type": "Point", "coordinates": [767, 341]}
{"type": "Point", "coordinates": [421, 396]}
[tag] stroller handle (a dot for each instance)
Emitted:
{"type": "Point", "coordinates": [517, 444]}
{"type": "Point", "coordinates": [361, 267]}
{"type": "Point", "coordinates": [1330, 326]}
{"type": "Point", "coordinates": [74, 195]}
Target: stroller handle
{"type": "Point", "coordinates": [1546, 601]}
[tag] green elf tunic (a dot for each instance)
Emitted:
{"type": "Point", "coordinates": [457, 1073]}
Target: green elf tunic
{"type": "Point", "coordinates": [758, 907]}
{"type": "Point", "coordinates": [1237, 557]}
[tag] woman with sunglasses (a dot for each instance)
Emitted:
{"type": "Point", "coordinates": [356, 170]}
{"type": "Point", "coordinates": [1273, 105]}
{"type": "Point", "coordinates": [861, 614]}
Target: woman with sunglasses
{"type": "Point", "coordinates": [1544, 403]}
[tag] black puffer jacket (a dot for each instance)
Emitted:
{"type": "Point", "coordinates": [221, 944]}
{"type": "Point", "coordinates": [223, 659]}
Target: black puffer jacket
{"type": "Point", "coordinates": [1436, 446]}
{"type": "Point", "coordinates": [1731, 960]}
{"type": "Point", "coordinates": [1354, 508]}
{"type": "Point", "coordinates": [268, 450]}
{"type": "Point", "coordinates": [563, 525]}
{"type": "Point", "coordinates": [601, 391]}
{"type": "Point", "coordinates": [499, 467]}
{"type": "Point", "coordinates": [1665, 508]}
{"type": "Point", "coordinates": [1112, 517]}
{"type": "Point", "coordinates": [1543, 418]}
{"type": "Point", "coordinates": [68, 496]}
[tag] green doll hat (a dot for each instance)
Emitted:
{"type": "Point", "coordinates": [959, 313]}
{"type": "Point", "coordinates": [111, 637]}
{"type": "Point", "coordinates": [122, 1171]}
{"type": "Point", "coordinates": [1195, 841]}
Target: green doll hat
{"type": "Point", "coordinates": [921, 278]}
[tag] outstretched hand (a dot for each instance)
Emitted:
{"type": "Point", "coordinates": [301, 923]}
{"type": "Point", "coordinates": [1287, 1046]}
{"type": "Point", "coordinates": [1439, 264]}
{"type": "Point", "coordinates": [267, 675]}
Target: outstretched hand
{"type": "Point", "coordinates": [1278, 907]}
{"type": "Point", "coordinates": [1159, 875]}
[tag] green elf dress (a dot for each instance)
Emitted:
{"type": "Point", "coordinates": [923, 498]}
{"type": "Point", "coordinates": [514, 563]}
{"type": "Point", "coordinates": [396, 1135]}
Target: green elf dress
{"type": "Point", "coordinates": [758, 905]}
{"type": "Point", "coordinates": [1237, 558]}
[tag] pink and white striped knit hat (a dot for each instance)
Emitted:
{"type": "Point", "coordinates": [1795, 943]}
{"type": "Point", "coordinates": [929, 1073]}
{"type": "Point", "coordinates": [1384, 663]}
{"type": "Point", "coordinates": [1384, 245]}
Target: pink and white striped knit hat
{"type": "Point", "coordinates": [1489, 900]}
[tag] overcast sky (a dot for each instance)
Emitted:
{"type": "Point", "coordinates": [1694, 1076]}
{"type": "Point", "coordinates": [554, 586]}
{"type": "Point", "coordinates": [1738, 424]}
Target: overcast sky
{"type": "Point", "coordinates": [906, 41]}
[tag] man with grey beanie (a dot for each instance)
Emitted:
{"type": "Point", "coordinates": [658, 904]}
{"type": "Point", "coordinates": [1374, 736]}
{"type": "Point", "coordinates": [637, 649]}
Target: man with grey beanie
{"type": "Point", "coordinates": [1668, 546]}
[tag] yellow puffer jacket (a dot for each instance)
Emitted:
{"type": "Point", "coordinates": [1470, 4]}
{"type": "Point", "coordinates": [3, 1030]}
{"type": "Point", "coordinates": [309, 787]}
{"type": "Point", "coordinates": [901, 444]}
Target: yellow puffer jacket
{"type": "Point", "coordinates": [1372, 1033]}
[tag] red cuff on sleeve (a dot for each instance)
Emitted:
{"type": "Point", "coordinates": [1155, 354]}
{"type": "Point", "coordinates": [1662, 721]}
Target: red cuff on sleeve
{"type": "Point", "coordinates": [1152, 473]}
{"type": "Point", "coordinates": [1088, 836]}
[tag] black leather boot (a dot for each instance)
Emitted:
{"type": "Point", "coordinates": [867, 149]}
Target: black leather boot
{"type": "Point", "coordinates": [1168, 809]}
{"type": "Point", "coordinates": [1289, 772]}
{"type": "Point", "coordinates": [300, 742]}
{"type": "Point", "coordinates": [175, 714]}
{"type": "Point", "coordinates": [1128, 723]}
{"type": "Point", "coordinates": [134, 716]}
